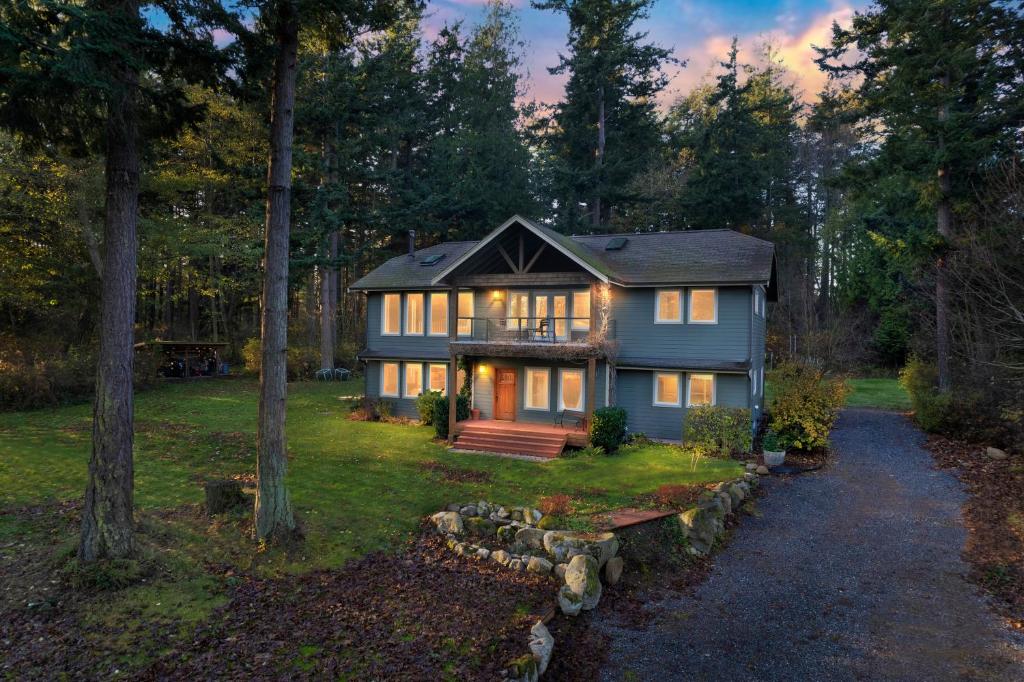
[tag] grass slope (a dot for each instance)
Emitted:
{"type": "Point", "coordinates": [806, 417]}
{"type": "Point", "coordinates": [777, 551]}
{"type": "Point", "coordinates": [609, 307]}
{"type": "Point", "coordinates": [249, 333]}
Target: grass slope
{"type": "Point", "coordinates": [885, 394]}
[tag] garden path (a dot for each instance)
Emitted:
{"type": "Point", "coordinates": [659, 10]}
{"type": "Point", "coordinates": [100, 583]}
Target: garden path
{"type": "Point", "coordinates": [849, 573]}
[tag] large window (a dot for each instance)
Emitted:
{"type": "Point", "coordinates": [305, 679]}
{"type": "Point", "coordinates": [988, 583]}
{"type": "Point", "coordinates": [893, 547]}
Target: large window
{"type": "Point", "coordinates": [570, 390]}
{"type": "Point", "coordinates": [414, 313]}
{"type": "Point", "coordinates": [465, 313]}
{"type": "Point", "coordinates": [413, 379]}
{"type": "Point", "coordinates": [438, 378]}
{"type": "Point", "coordinates": [518, 310]}
{"type": "Point", "coordinates": [700, 390]}
{"type": "Point", "coordinates": [759, 301]}
{"type": "Point", "coordinates": [538, 388]}
{"type": "Point", "coordinates": [391, 318]}
{"type": "Point", "coordinates": [668, 307]}
{"type": "Point", "coordinates": [439, 314]}
{"type": "Point", "coordinates": [581, 310]}
{"type": "Point", "coordinates": [389, 379]}
{"type": "Point", "coordinates": [703, 306]}
{"type": "Point", "coordinates": [667, 391]}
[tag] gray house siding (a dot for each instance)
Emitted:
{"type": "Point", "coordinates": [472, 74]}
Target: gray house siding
{"type": "Point", "coordinates": [640, 337]}
{"type": "Point", "coordinates": [635, 392]}
{"type": "Point", "coordinates": [483, 387]}
{"type": "Point", "coordinates": [757, 356]}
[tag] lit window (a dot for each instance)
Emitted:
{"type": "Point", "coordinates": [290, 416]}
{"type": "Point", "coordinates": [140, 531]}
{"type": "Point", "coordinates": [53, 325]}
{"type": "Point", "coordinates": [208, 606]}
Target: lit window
{"type": "Point", "coordinates": [666, 389]}
{"type": "Point", "coordinates": [465, 313]}
{"type": "Point", "coordinates": [413, 379]}
{"type": "Point", "coordinates": [439, 378]}
{"type": "Point", "coordinates": [703, 309]}
{"type": "Point", "coordinates": [389, 379]}
{"type": "Point", "coordinates": [438, 314]}
{"type": "Point", "coordinates": [538, 391]}
{"type": "Point", "coordinates": [581, 310]}
{"type": "Point", "coordinates": [669, 306]}
{"type": "Point", "coordinates": [391, 320]}
{"type": "Point", "coordinates": [518, 311]}
{"type": "Point", "coordinates": [414, 313]}
{"type": "Point", "coordinates": [570, 390]}
{"type": "Point", "coordinates": [701, 390]}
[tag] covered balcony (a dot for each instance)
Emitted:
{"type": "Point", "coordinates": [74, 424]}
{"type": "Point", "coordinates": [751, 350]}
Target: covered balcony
{"type": "Point", "coordinates": [538, 337]}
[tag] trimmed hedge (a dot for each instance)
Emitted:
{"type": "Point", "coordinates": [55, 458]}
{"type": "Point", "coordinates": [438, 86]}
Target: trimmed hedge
{"type": "Point", "coordinates": [608, 428]}
{"type": "Point", "coordinates": [441, 413]}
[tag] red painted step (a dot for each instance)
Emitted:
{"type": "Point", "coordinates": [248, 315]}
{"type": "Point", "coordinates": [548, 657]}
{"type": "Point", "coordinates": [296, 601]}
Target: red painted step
{"type": "Point", "coordinates": [511, 444]}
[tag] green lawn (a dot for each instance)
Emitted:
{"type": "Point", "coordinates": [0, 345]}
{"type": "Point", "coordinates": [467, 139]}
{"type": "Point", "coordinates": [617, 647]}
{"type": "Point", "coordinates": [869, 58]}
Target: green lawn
{"type": "Point", "coordinates": [886, 394]}
{"type": "Point", "coordinates": [357, 486]}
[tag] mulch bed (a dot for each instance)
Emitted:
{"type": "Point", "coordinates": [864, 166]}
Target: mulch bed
{"type": "Point", "coordinates": [994, 515]}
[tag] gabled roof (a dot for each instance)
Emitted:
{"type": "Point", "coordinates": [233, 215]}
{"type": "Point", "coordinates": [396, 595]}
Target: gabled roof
{"type": "Point", "coordinates": [579, 255]}
{"type": "Point", "coordinates": [645, 259]}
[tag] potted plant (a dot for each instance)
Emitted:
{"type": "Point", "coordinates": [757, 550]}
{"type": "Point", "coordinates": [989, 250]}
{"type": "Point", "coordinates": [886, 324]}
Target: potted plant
{"type": "Point", "coordinates": [774, 449]}
{"type": "Point", "coordinates": [474, 413]}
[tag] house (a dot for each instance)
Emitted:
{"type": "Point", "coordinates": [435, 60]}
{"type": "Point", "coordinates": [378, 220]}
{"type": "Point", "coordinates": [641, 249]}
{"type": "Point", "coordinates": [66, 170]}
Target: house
{"type": "Point", "coordinates": [550, 327]}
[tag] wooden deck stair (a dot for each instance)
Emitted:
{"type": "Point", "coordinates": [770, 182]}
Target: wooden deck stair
{"type": "Point", "coordinates": [503, 438]}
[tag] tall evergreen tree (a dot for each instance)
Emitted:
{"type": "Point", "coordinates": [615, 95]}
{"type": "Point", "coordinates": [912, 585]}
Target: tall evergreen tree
{"type": "Point", "coordinates": [942, 81]}
{"type": "Point", "coordinates": [98, 75]}
{"type": "Point", "coordinates": [605, 132]}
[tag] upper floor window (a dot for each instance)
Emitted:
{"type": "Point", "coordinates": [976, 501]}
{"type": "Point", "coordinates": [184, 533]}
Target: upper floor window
{"type": "Point", "coordinates": [391, 319]}
{"type": "Point", "coordinates": [700, 390]}
{"type": "Point", "coordinates": [465, 313]}
{"type": "Point", "coordinates": [667, 391]}
{"type": "Point", "coordinates": [668, 307]}
{"type": "Point", "coordinates": [414, 313]}
{"type": "Point", "coordinates": [389, 379]}
{"type": "Point", "coordinates": [518, 310]}
{"type": "Point", "coordinates": [703, 306]}
{"type": "Point", "coordinates": [581, 310]}
{"type": "Point", "coordinates": [413, 379]}
{"type": "Point", "coordinates": [570, 390]}
{"type": "Point", "coordinates": [438, 314]}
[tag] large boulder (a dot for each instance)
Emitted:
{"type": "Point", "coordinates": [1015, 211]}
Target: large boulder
{"type": "Point", "coordinates": [702, 526]}
{"type": "Point", "coordinates": [541, 646]}
{"type": "Point", "coordinates": [530, 538]}
{"type": "Point", "coordinates": [581, 576]}
{"type": "Point", "coordinates": [613, 570]}
{"type": "Point", "coordinates": [564, 545]}
{"type": "Point", "coordinates": [479, 527]}
{"type": "Point", "coordinates": [737, 494]}
{"type": "Point", "coordinates": [448, 522]}
{"type": "Point", "coordinates": [569, 602]}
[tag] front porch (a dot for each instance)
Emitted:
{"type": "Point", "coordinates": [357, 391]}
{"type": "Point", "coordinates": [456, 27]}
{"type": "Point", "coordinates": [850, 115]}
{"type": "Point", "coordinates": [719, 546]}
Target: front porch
{"type": "Point", "coordinates": [517, 437]}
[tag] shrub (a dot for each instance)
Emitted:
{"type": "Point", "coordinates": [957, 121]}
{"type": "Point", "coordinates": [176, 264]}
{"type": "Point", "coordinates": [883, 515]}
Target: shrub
{"type": "Point", "coordinates": [640, 439]}
{"type": "Point", "coordinates": [426, 405]}
{"type": "Point", "coordinates": [716, 428]}
{"type": "Point", "coordinates": [302, 361]}
{"type": "Point", "coordinates": [933, 411]}
{"type": "Point", "coordinates": [441, 414]}
{"type": "Point", "coordinates": [558, 504]}
{"type": "Point", "coordinates": [251, 355]}
{"type": "Point", "coordinates": [382, 410]}
{"type": "Point", "coordinates": [804, 405]}
{"type": "Point", "coordinates": [608, 428]}
{"type": "Point", "coordinates": [773, 442]}
{"type": "Point", "coordinates": [589, 451]}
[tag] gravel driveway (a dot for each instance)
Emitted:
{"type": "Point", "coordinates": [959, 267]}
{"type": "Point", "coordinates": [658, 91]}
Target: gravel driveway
{"type": "Point", "coordinates": [849, 573]}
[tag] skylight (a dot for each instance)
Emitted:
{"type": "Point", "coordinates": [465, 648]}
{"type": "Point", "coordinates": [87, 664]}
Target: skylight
{"type": "Point", "coordinates": [615, 243]}
{"type": "Point", "coordinates": [432, 260]}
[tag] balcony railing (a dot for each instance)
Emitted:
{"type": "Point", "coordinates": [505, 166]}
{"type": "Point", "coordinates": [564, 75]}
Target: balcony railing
{"type": "Point", "coordinates": [529, 329]}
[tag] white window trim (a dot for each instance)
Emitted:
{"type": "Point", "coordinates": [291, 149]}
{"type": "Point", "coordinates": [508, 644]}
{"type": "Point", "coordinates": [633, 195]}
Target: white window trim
{"type": "Point", "coordinates": [430, 384]}
{"type": "Point", "coordinates": [384, 315]}
{"type": "Point", "coordinates": [657, 307]}
{"type": "Point", "coordinates": [714, 388]}
{"type": "Point", "coordinates": [527, 392]}
{"type": "Point", "coordinates": [398, 380]}
{"type": "Point", "coordinates": [583, 390]}
{"type": "Point", "coordinates": [689, 305]}
{"type": "Point", "coordinates": [679, 390]}
{"type": "Point", "coordinates": [472, 312]}
{"type": "Point", "coordinates": [509, 317]}
{"type": "Point", "coordinates": [423, 310]}
{"type": "Point", "coordinates": [759, 297]}
{"type": "Point", "coordinates": [405, 379]}
{"type": "Point", "coordinates": [430, 306]}
{"type": "Point", "coordinates": [579, 324]}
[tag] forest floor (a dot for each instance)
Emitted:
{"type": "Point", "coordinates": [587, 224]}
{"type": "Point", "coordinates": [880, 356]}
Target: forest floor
{"type": "Point", "coordinates": [360, 490]}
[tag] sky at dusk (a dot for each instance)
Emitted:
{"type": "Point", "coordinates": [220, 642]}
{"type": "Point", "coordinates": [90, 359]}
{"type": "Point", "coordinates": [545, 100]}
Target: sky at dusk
{"type": "Point", "coordinates": [698, 31]}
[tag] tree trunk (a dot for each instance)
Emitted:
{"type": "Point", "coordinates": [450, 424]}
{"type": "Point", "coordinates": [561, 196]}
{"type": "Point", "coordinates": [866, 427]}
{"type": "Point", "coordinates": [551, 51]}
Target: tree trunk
{"type": "Point", "coordinates": [107, 523]}
{"type": "Point", "coordinates": [328, 304]}
{"type": "Point", "coordinates": [944, 223]}
{"type": "Point", "coordinates": [595, 217]}
{"type": "Point", "coordinates": [274, 518]}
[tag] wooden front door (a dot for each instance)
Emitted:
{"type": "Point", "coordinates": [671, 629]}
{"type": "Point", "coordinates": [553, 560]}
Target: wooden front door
{"type": "Point", "coordinates": [505, 393]}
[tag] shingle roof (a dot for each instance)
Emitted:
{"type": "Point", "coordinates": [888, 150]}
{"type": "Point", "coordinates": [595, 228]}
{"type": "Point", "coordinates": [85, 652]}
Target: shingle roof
{"type": "Point", "coordinates": [402, 272]}
{"type": "Point", "coordinates": [692, 256]}
{"type": "Point", "coordinates": [647, 258]}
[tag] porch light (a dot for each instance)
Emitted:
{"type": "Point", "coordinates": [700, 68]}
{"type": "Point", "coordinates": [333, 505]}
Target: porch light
{"type": "Point", "coordinates": [497, 295]}
{"type": "Point", "coordinates": [482, 369]}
